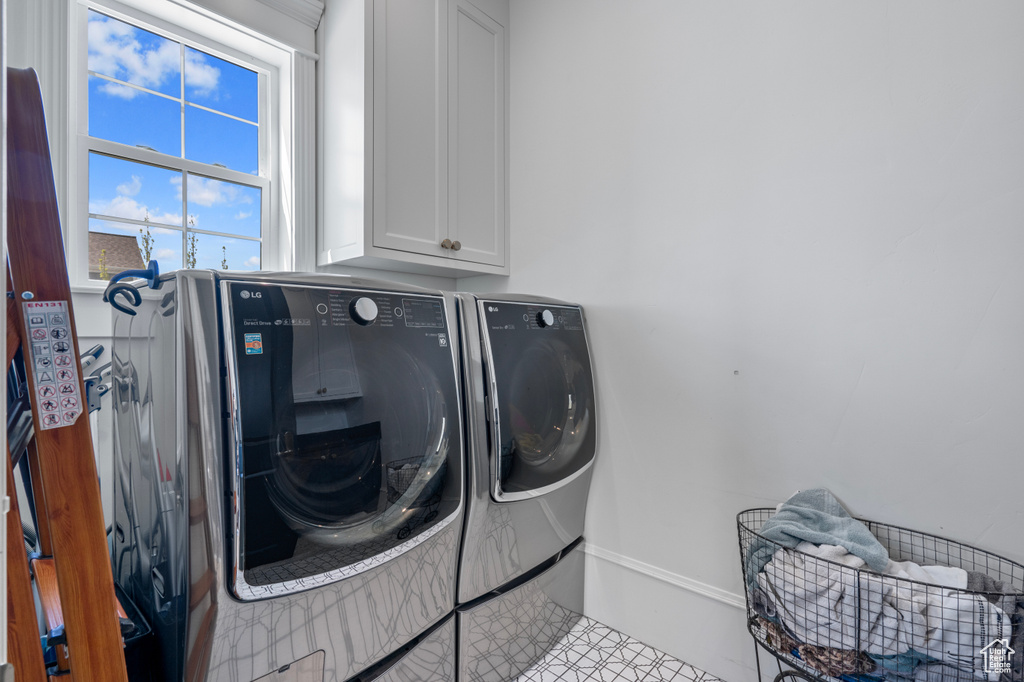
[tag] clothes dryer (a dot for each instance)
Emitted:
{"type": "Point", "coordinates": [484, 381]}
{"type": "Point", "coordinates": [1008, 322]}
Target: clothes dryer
{"type": "Point", "coordinates": [288, 466]}
{"type": "Point", "coordinates": [532, 435]}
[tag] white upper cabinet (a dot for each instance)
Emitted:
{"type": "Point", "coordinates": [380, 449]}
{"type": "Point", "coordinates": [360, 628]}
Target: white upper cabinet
{"type": "Point", "coordinates": [476, 135]}
{"type": "Point", "coordinates": [410, 131]}
{"type": "Point", "coordinates": [413, 130]}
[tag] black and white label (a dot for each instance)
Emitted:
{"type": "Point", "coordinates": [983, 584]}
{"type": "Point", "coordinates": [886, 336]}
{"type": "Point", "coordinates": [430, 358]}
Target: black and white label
{"type": "Point", "coordinates": [57, 399]}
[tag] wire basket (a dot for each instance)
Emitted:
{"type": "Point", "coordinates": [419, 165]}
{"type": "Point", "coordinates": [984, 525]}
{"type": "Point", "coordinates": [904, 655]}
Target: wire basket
{"type": "Point", "coordinates": [401, 474]}
{"type": "Point", "coordinates": [825, 614]}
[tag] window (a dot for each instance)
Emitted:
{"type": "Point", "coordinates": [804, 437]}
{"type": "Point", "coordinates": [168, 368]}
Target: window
{"type": "Point", "coordinates": [175, 149]}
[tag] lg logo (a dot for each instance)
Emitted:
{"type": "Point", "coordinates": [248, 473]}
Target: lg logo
{"type": "Point", "coordinates": [250, 294]}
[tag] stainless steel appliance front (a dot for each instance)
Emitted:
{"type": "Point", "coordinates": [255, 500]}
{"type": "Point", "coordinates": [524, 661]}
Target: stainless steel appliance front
{"type": "Point", "coordinates": [502, 636]}
{"type": "Point", "coordinates": [345, 410]}
{"type": "Point", "coordinates": [531, 432]}
{"type": "Point", "coordinates": [233, 443]}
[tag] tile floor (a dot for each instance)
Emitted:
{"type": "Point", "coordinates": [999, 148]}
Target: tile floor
{"type": "Point", "coordinates": [594, 652]}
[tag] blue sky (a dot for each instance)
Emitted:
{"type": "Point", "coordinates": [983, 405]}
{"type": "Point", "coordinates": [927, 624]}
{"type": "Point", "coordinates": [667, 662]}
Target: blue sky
{"type": "Point", "coordinates": [135, 117]}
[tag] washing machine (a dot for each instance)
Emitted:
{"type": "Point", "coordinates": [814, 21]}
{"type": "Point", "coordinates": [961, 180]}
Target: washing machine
{"type": "Point", "coordinates": [289, 475]}
{"type": "Point", "coordinates": [532, 438]}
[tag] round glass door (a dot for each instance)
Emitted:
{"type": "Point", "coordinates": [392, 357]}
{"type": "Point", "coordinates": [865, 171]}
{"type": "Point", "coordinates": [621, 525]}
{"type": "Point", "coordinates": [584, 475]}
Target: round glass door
{"type": "Point", "coordinates": [541, 376]}
{"type": "Point", "coordinates": [333, 485]}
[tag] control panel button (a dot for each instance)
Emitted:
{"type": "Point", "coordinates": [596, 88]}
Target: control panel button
{"type": "Point", "coordinates": [363, 310]}
{"type": "Point", "coordinates": [545, 318]}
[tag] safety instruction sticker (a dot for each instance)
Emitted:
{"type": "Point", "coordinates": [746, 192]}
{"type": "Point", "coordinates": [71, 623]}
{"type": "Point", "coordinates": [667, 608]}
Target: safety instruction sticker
{"type": "Point", "coordinates": [58, 399]}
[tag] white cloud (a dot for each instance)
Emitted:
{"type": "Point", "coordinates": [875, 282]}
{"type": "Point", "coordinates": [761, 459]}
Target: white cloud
{"type": "Point", "coordinates": [242, 215]}
{"type": "Point", "coordinates": [115, 50]}
{"type": "Point", "coordinates": [165, 254]}
{"type": "Point", "coordinates": [208, 192]}
{"type": "Point", "coordinates": [200, 75]}
{"type": "Point", "coordinates": [130, 189]}
{"type": "Point", "coordinates": [253, 262]}
{"type": "Point", "coordinates": [126, 207]}
{"type": "Point", "coordinates": [118, 90]}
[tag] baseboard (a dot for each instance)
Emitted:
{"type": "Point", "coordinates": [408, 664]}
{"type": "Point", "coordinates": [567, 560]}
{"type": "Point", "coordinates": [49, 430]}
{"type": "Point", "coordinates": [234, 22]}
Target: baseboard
{"type": "Point", "coordinates": [698, 623]}
{"type": "Point", "coordinates": [674, 579]}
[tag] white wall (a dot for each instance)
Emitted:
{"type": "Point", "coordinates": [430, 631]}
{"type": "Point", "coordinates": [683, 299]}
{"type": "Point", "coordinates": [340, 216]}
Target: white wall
{"type": "Point", "coordinates": [796, 228]}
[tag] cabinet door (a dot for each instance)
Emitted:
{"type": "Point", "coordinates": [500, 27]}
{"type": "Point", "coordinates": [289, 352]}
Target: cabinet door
{"type": "Point", "coordinates": [476, 120]}
{"type": "Point", "coordinates": [410, 134]}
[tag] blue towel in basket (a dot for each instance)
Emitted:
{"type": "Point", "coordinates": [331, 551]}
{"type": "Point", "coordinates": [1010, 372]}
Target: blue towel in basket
{"type": "Point", "coordinates": [814, 516]}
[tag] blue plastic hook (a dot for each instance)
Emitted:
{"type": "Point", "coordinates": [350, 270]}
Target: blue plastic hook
{"type": "Point", "coordinates": [129, 292]}
{"type": "Point", "coordinates": [151, 275]}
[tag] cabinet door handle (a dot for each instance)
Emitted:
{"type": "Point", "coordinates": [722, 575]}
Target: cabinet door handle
{"type": "Point", "coordinates": [456, 245]}
{"type": "Point", "coordinates": [447, 244]}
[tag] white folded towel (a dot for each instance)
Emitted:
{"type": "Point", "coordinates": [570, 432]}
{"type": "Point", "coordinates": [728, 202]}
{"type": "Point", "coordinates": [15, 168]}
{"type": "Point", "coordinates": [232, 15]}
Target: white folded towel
{"type": "Point", "coordinates": [818, 601]}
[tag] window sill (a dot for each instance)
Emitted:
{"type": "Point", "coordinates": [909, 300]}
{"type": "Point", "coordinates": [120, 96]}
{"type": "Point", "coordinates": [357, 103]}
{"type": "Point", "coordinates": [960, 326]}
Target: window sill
{"type": "Point", "coordinates": [88, 289]}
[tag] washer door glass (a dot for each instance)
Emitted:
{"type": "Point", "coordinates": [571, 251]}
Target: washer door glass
{"type": "Point", "coordinates": [540, 372]}
{"type": "Point", "coordinates": [349, 427]}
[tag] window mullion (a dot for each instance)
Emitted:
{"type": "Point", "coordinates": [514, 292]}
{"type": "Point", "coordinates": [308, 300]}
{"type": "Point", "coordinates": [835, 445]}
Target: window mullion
{"type": "Point", "coordinates": [254, 124]}
{"type": "Point", "coordinates": [185, 218]}
{"type": "Point", "coordinates": [133, 221]}
{"type": "Point", "coordinates": [155, 158]}
{"type": "Point", "coordinates": [181, 90]}
{"type": "Point", "coordinates": [132, 86]}
{"type": "Point", "coordinates": [184, 173]}
{"type": "Point", "coordinates": [214, 233]}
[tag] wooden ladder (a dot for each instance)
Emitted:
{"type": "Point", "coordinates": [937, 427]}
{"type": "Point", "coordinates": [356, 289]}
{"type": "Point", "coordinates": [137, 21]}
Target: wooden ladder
{"type": "Point", "coordinates": [65, 486]}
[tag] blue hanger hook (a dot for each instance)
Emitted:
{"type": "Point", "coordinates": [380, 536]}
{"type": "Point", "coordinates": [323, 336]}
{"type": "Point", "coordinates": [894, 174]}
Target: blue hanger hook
{"type": "Point", "coordinates": [151, 275]}
{"type": "Point", "coordinates": [129, 292]}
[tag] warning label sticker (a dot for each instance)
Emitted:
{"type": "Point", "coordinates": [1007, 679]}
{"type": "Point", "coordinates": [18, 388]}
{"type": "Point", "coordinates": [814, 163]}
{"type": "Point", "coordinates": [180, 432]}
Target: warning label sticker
{"type": "Point", "coordinates": [58, 398]}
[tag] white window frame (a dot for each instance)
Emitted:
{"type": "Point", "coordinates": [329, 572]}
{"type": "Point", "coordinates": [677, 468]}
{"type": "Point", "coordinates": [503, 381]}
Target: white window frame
{"type": "Point", "coordinates": [87, 144]}
{"type": "Point", "coordinates": [287, 157]}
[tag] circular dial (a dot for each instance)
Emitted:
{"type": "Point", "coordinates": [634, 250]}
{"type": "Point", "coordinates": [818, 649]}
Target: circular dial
{"type": "Point", "coordinates": [363, 310]}
{"type": "Point", "coordinates": [545, 318]}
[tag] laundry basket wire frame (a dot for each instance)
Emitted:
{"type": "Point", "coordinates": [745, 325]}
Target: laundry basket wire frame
{"type": "Point", "coordinates": [902, 545]}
